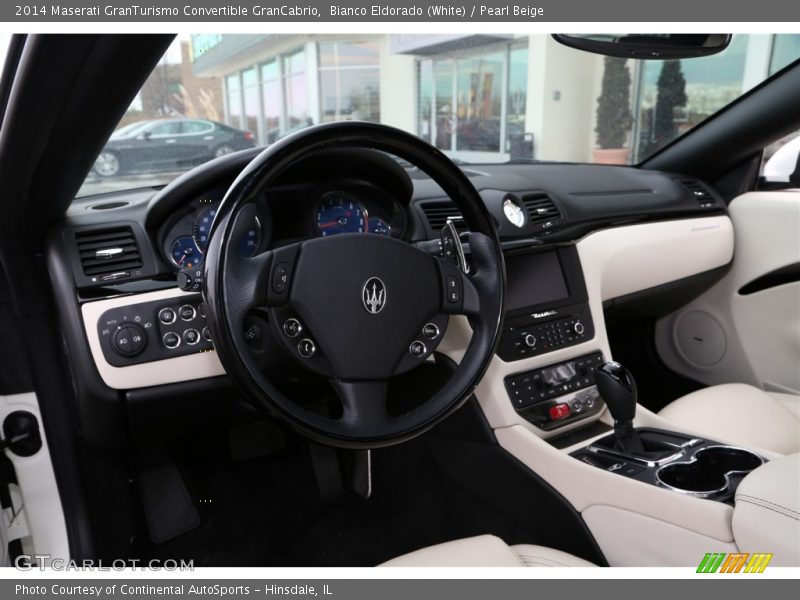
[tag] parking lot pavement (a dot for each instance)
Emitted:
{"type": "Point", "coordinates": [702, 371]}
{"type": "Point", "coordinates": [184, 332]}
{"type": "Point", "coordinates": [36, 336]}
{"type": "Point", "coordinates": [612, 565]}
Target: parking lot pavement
{"type": "Point", "coordinates": [102, 185]}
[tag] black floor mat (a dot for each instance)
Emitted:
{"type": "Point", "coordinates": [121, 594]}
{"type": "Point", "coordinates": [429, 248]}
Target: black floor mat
{"type": "Point", "coordinates": [268, 512]}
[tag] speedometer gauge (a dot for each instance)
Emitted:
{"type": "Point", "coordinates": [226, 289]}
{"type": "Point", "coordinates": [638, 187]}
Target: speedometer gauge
{"type": "Point", "coordinates": [340, 212]}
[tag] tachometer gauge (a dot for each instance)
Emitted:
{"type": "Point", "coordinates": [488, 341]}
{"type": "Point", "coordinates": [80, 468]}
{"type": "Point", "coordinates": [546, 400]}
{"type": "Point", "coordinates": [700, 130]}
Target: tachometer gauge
{"type": "Point", "coordinates": [184, 253]}
{"type": "Point", "coordinates": [340, 213]}
{"type": "Point", "coordinates": [379, 226]}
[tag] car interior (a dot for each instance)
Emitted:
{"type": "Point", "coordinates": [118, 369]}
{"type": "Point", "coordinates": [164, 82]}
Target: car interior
{"type": "Point", "coordinates": [344, 348]}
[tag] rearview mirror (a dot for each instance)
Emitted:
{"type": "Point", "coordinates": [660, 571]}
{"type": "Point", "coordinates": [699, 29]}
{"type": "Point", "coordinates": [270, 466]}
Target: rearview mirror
{"type": "Point", "coordinates": [647, 46]}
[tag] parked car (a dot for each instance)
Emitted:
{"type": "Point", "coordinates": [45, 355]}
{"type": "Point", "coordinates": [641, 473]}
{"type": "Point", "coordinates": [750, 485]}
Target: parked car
{"type": "Point", "coordinates": [160, 144]}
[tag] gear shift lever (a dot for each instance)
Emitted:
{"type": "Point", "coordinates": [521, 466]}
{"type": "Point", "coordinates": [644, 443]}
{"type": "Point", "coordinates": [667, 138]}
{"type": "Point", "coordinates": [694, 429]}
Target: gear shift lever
{"type": "Point", "coordinates": [618, 388]}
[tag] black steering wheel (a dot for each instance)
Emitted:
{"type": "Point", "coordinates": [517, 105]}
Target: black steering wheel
{"type": "Point", "coordinates": [381, 316]}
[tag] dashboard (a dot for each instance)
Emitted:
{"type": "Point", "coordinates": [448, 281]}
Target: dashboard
{"type": "Point", "coordinates": [546, 215]}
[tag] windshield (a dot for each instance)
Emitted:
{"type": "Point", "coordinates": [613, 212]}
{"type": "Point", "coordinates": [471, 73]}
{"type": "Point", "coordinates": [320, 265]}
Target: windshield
{"type": "Point", "coordinates": [483, 98]}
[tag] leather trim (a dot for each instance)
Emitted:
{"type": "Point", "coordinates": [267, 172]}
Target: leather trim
{"type": "Point", "coordinates": [486, 551]}
{"type": "Point", "coordinates": [738, 413]}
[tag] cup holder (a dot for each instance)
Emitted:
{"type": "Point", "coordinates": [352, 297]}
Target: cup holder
{"type": "Point", "coordinates": [710, 471]}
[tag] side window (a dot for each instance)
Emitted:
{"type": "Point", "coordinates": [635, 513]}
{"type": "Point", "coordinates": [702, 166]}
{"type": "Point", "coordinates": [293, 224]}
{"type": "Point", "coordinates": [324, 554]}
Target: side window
{"type": "Point", "coordinates": [168, 128]}
{"type": "Point", "coordinates": [780, 167]}
{"type": "Point", "coordinates": [197, 127]}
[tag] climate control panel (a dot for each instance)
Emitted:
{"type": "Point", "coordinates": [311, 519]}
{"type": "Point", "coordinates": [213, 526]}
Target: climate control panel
{"type": "Point", "coordinates": [156, 330]}
{"type": "Point", "coordinates": [559, 394]}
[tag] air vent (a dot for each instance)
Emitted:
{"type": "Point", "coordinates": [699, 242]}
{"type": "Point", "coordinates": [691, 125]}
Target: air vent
{"type": "Point", "coordinates": [439, 211]}
{"type": "Point", "coordinates": [105, 251]}
{"type": "Point", "coordinates": [698, 191]}
{"type": "Point", "coordinates": [541, 210]}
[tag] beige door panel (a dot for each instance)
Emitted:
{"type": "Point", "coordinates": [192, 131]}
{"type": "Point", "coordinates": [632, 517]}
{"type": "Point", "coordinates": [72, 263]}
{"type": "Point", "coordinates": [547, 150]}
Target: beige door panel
{"type": "Point", "coordinates": [724, 336]}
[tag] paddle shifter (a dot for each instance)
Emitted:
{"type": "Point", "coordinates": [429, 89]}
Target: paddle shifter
{"type": "Point", "coordinates": [618, 388]}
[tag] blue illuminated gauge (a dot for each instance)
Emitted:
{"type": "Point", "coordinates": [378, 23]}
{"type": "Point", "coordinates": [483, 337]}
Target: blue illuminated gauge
{"type": "Point", "coordinates": [202, 227]}
{"type": "Point", "coordinates": [379, 226]}
{"type": "Point", "coordinates": [251, 241]}
{"type": "Point", "coordinates": [249, 245]}
{"type": "Point", "coordinates": [340, 213]}
{"type": "Point", "coordinates": [184, 253]}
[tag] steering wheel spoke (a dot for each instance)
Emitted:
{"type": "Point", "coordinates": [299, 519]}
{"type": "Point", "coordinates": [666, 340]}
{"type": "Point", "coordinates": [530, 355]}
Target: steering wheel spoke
{"type": "Point", "coordinates": [363, 404]}
{"type": "Point", "coordinates": [248, 277]}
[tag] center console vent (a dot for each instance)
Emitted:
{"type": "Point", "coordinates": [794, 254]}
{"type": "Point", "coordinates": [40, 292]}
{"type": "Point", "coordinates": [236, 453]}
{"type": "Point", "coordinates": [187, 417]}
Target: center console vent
{"type": "Point", "coordinates": [108, 251]}
{"type": "Point", "coordinates": [699, 192]}
{"type": "Point", "coordinates": [540, 209]}
{"type": "Point", "coordinates": [437, 212]}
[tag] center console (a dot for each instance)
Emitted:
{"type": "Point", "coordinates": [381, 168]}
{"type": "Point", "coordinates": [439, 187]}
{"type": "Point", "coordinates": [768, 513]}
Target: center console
{"type": "Point", "coordinates": [546, 310]}
{"type": "Point", "coordinates": [674, 461]}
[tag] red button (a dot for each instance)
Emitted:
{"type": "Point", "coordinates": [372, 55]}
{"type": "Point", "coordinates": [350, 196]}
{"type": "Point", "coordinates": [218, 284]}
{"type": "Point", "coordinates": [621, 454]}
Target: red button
{"type": "Point", "coordinates": [559, 411]}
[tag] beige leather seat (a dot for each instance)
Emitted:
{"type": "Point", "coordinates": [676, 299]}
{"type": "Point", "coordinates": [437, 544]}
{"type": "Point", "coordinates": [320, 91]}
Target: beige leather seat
{"type": "Point", "coordinates": [486, 551]}
{"type": "Point", "coordinates": [740, 414]}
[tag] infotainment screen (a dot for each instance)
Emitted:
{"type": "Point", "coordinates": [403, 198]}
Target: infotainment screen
{"type": "Point", "coordinates": [534, 279]}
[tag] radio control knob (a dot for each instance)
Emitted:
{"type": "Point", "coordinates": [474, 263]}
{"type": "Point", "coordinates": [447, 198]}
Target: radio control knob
{"type": "Point", "coordinates": [530, 340]}
{"type": "Point", "coordinates": [578, 328]}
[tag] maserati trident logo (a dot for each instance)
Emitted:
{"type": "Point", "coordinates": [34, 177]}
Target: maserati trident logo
{"type": "Point", "coordinates": [373, 295]}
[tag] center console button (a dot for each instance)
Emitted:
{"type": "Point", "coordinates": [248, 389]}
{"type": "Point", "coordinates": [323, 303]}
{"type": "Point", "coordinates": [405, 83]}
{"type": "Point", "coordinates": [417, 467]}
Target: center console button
{"type": "Point", "coordinates": [187, 312]}
{"type": "Point", "coordinates": [191, 336]}
{"type": "Point", "coordinates": [559, 411]}
{"type": "Point", "coordinates": [206, 334]}
{"type": "Point", "coordinates": [292, 327]}
{"type": "Point", "coordinates": [171, 339]}
{"type": "Point", "coordinates": [166, 316]}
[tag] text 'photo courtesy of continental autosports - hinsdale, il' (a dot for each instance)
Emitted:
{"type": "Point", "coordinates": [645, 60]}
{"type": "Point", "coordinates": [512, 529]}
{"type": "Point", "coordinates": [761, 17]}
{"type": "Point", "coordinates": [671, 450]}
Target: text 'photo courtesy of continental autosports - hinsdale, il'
{"type": "Point", "coordinates": [350, 300]}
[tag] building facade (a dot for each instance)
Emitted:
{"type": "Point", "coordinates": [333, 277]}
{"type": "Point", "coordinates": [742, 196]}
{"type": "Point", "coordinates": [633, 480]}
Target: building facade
{"type": "Point", "coordinates": [479, 98]}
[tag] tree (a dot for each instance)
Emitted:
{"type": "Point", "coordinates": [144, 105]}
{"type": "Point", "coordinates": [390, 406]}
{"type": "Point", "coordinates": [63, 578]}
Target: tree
{"type": "Point", "coordinates": [671, 95]}
{"type": "Point", "coordinates": [614, 117]}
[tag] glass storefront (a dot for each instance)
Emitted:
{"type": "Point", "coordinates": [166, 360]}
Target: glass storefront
{"type": "Point", "coordinates": [271, 101]}
{"type": "Point", "coordinates": [233, 104]}
{"type": "Point", "coordinates": [295, 89]}
{"type": "Point", "coordinates": [475, 102]}
{"type": "Point", "coordinates": [349, 77]}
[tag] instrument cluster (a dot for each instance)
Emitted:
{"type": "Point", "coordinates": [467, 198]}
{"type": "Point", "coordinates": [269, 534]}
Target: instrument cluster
{"type": "Point", "coordinates": [186, 241]}
{"type": "Point", "coordinates": [291, 214]}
